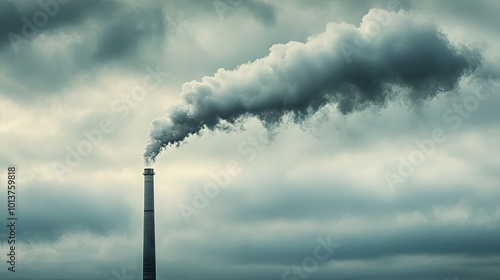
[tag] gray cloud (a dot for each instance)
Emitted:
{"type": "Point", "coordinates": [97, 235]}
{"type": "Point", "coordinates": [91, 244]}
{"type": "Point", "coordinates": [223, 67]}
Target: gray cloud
{"type": "Point", "coordinates": [68, 209]}
{"type": "Point", "coordinates": [9, 14]}
{"type": "Point", "coordinates": [123, 38]}
{"type": "Point", "coordinates": [85, 35]}
{"type": "Point", "coordinates": [300, 78]}
{"type": "Point", "coordinates": [261, 11]}
{"type": "Point", "coordinates": [428, 240]}
{"type": "Point", "coordinates": [65, 15]}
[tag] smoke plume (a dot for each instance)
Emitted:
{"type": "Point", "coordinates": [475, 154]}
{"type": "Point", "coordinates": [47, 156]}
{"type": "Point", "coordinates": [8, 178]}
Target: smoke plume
{"type": "Point", "coordinates": [390, 55]}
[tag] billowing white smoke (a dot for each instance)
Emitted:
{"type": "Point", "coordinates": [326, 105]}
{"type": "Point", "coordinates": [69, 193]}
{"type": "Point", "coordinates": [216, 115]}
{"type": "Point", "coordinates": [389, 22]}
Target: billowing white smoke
{"type": "Point", "coordinates": [351, 67]}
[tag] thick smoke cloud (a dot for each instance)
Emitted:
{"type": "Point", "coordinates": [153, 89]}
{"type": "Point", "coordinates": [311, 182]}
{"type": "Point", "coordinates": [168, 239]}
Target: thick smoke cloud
{"type": "Point", "coordinates": [352, 67]}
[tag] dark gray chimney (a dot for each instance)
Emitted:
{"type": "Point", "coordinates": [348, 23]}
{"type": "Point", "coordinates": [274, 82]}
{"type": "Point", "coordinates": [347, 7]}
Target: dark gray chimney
{"type": "Point", "coordinates": [149, 252]}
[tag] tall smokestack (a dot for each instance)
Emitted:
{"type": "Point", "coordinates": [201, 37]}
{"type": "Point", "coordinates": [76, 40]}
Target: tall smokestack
{"type": "Point", "coordinates": [149, 252]}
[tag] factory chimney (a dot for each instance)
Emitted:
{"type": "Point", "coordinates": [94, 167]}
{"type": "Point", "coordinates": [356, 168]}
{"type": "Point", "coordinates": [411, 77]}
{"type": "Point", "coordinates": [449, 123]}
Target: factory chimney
{"type": "Point", "coordinates": [149, 252]}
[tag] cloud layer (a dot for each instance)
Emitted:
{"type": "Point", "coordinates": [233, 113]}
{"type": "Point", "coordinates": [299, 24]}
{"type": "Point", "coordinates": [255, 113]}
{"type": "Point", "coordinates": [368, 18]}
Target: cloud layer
{"type": "Point", "coordinates": [442, 222]}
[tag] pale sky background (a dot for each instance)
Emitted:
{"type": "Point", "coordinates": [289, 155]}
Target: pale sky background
{"type": "Point", "coordinates": [323, 178]}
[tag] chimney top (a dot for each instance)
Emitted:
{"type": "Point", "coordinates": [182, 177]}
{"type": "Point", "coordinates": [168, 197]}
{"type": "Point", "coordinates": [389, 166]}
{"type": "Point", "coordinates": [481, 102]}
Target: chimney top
{"type": "Point", "coordinates": [148, 171]}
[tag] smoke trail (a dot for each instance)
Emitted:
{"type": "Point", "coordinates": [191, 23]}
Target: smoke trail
{"type": "Point", "coordinates": [352, 67]}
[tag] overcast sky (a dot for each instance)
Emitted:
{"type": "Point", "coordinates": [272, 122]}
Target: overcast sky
{"type": "Point", "coordinates": [298, 139]}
